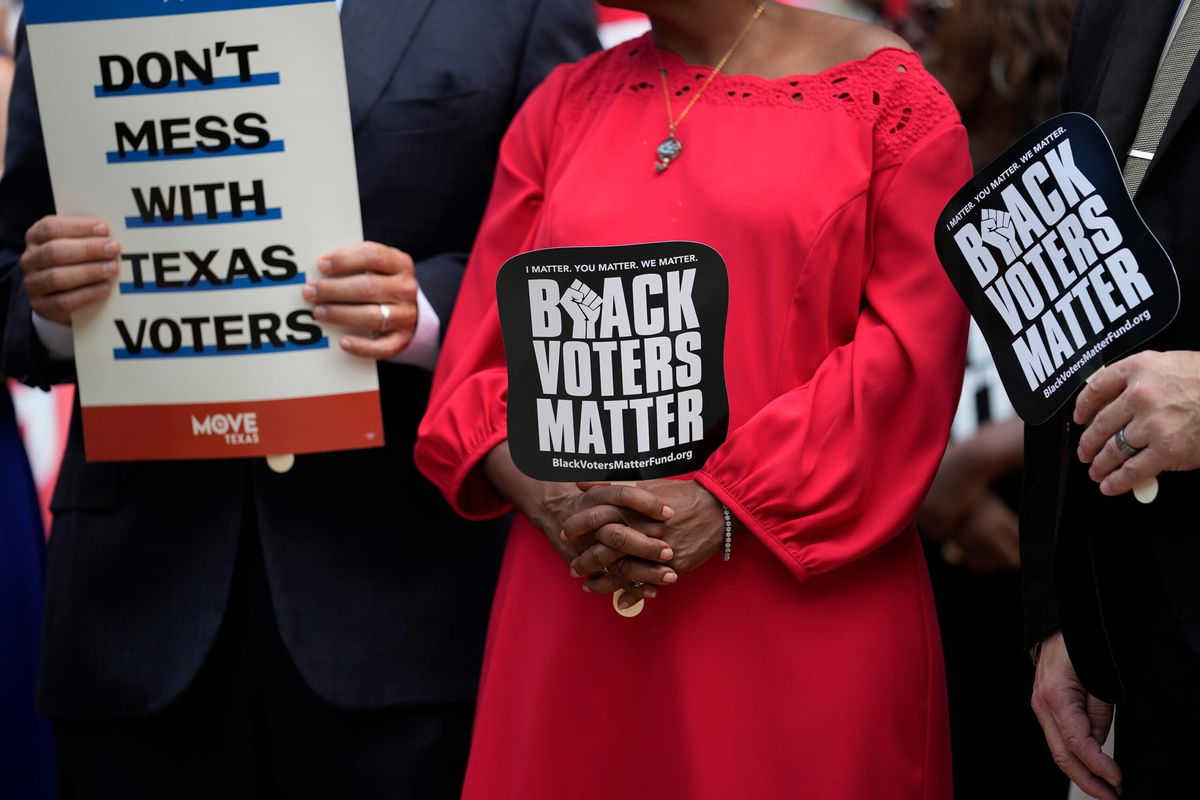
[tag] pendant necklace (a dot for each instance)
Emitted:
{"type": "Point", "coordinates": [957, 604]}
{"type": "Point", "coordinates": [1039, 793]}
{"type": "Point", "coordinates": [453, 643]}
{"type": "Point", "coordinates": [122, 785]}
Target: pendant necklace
{"type": "Point", "coordinates": [670, 148]}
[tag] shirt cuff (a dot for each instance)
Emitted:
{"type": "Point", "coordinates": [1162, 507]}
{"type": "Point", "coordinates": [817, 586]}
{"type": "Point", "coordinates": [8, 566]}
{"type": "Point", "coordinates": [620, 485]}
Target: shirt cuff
{"type": "Point", "coordinates": [57, 338]}
{"type": "Point", "coordinates": [423, 350]}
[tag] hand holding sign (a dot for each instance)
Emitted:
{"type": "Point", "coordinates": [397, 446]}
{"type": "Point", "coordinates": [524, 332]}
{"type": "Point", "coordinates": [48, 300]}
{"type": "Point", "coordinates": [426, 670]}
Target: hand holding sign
{"type": "Point", "coordinates": [69, 263]}
{"type": "Point", "coordinates": [1155, 399]}
{"type": "Point", "coordinates": [1051, 256]}
{"type": "Point", "coordinates": [360, 280]}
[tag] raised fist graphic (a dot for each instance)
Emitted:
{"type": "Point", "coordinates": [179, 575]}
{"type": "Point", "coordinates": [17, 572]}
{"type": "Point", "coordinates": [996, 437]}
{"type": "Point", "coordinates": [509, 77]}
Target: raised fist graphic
{"type": "Point", "coordinates": [583, 306]}
{"type": "Point", "coordinates": [998, 231]}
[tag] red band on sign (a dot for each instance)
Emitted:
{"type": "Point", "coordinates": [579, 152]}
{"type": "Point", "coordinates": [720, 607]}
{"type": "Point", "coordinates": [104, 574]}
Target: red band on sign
{"type": "Point", "coordinates": [233, 430]}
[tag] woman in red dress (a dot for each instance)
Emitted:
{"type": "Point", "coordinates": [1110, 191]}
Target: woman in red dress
{"type": "Point", "coordinates": [808, 665]}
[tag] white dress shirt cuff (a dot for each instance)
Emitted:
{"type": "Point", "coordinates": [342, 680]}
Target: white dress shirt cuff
{"type": "Point", "coordinates": [55, 337]}
{"type": "Point", "coordinates": [422, 351]}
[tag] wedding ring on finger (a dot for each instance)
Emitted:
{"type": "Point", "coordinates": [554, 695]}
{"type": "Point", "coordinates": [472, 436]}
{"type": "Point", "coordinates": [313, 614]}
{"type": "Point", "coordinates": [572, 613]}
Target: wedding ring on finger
{"type": "Point", "coordinates": [1123, 445]}
{"type": "Point", "coordinates": [385, 314]}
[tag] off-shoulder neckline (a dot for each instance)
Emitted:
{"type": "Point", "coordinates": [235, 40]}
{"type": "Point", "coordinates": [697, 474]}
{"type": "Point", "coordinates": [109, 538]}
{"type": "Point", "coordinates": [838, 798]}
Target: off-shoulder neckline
{"type": "Point", "coordinates": [646, 43]}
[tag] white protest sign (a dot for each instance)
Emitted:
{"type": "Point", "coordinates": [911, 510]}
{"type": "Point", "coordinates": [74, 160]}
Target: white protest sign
{"type": "Point", "coordinates": [214, 138]}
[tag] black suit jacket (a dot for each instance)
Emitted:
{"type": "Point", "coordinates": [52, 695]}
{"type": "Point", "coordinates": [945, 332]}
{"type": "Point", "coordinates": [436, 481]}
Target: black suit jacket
{"type": "Point", "coordinates": [1115, 50]}
{"type": "Point", "coordinates": [381, 592]}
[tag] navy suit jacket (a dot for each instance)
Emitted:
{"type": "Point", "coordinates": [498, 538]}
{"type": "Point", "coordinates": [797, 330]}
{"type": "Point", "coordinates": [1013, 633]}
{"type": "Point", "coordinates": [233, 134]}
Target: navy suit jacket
{"type": "Point", "coordinates": [1115, 49]}
{"type": "Point", "coordinates": [380, 591]}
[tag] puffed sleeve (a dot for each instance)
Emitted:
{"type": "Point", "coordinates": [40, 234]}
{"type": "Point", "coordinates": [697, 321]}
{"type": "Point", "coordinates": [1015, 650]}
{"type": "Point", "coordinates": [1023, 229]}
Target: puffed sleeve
{"type": "Point", "coordinates": [467, 413]}
{"type": "Point", "coordinates": [834, 468]}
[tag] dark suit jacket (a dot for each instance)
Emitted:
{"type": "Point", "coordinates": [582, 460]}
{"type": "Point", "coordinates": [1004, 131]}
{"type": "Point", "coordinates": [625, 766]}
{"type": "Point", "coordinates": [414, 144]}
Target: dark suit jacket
{"type": "Point", "coordinates": [1115, 49]}
{"type": "Point", "coordinates": [381, 592]}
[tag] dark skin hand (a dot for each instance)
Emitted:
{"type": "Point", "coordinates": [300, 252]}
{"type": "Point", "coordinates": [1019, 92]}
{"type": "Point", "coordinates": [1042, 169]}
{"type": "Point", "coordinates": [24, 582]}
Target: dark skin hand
{"type": "Point", "coordinates": [694, 532]}
{"type": "Point", "coordinates": [549, 505]}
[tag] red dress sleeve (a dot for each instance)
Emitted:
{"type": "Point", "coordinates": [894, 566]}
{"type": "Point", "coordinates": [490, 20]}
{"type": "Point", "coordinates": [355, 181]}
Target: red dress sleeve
{"type": "Point", "coordinates": [834, 468]}
{"type": "Point", "coordinates": [467, 413]}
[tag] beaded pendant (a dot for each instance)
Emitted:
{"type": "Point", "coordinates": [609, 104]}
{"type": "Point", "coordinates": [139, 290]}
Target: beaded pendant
{"type": "Point", "coordinates": [667, 151]}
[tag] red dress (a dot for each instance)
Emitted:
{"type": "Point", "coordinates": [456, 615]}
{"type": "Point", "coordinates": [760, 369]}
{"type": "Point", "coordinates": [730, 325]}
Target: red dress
{"type": "Point", "coordinates": [808, 666]}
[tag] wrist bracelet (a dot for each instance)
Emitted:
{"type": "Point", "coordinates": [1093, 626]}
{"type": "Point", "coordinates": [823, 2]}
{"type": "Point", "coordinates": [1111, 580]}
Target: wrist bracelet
{"type": "Point", "coordinates": [728, 532]}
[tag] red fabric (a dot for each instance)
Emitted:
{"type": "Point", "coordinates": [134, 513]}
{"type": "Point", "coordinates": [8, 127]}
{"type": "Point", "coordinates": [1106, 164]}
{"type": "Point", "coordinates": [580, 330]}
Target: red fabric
{"type": "Point", "coordinates": [809, 665]}
{"type": "Point", "coordinates": [606, 15]}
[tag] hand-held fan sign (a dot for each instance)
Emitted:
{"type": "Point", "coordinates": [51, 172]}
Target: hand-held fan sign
{"type": "Point", "coordinates": [1056, 265]}
{"type": "Point", "coordinates": [615, 359]}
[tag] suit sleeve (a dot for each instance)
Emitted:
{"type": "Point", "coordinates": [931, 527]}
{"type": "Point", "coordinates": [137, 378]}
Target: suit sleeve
{"type": "Point", "coordinates": [467, 413]}
{"type": "Point", "coordinates": [25, 197]}
{"type": "Point", "coordinates": [835, 468]}
{"type": "Point", "coordinates": [1042, 483]}
{"type": "Point", "coordinates": [559, 32]}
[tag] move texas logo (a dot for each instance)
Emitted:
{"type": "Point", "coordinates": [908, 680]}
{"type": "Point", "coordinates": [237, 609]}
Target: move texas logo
{"type": "Point", "coordinates": [235, 429]}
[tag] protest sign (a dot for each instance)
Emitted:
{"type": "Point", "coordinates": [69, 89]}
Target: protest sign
{"type": "Point", "coordinates": [615, 359]}
{"type": "Point", "coordinates": [1056, 265]}
{"type": "Point", "coordinates": [213, 137]}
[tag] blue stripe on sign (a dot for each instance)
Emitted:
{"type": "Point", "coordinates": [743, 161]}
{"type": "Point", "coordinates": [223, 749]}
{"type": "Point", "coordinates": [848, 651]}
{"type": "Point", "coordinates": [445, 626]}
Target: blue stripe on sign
{"type": "Point", "coordinates": [240, 282]}
{"type": "Point", "coordinates": [196, 85]}
{"type": "Point", "coordinates": [38, 12]}
{"type": "Point", "coordinates": [142, 156]}
{"type": "Point", "coordinates": [123, 354]}
{"type": "Point", "coordinates": [224, 216]}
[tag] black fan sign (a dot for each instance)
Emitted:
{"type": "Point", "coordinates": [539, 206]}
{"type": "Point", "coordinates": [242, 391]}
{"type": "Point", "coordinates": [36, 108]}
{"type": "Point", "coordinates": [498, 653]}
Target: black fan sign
{"type": "Point", "coordinates": [615, 359]}
{"type": "Point", "coordinates": [1056, 265]}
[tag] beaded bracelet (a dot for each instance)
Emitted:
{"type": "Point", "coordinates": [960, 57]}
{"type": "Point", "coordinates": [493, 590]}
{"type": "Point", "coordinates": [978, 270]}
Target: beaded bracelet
{"type": "Point", "coordinates": [728, 532]}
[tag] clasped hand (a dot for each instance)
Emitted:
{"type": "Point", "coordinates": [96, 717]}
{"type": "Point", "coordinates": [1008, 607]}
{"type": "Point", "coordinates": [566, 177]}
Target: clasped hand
{"type": "Point", "coordinates": [643, 536]}
{"type": "Point", "coordinates": [1155, 398]}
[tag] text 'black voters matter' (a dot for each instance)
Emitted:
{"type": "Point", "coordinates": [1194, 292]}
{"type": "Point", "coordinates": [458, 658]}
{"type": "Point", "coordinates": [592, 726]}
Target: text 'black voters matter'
{"type": "Point", "coordinates": [1056, 265]}
{"type": "Point", "coordinates": [615, 359]}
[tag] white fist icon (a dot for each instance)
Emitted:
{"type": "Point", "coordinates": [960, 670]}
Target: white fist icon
{"type": "Point", "coordinates": [583, 306]}
{"type": "Point", "coordinates": [998, 231]}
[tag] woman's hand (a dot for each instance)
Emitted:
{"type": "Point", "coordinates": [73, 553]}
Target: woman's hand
{"type": "Point", "coordinates": [547, 505]}
{"type": "Point", "coordinates": [693, 531]}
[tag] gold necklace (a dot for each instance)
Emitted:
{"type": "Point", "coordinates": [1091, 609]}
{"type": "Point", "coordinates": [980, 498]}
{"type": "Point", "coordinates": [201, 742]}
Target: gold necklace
{"type": "Point", "coordinates": [670, 148]}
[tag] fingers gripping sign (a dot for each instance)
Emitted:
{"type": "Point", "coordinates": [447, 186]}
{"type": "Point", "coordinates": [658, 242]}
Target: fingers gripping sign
{"type": "Point", "coordinates": [69, 263]}
{"type": "Point", "coordinates": [1143, 418]}
{"type": "Point", "coordinates": [369, 288]}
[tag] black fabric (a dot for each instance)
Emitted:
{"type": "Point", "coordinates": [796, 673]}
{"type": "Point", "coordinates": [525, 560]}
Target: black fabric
{"type": "Point", "coordinates": [1156, 733]}
{"type": "Point", "coordinates": [1114, 52]}
{"type": "Point", "coordinates": [249, 727]}
{"type": "Point", "coordinates": [380, 591]}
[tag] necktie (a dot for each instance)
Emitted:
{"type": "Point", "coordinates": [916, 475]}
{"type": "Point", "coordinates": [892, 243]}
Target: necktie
{"type": "Point", "coordinates": [1164, 94]}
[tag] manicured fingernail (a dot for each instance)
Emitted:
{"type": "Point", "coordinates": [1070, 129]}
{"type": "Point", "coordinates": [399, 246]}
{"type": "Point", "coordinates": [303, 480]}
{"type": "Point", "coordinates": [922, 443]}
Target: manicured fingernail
{"type": "Point", "coordinates": [587, 588]}
{"type": "Point", "coordinates": [670, 577]}
{"type": "Point", "coordinates": [309, 291]}
{"type": "Point", "coordinates": [100, 229]}
{"type": "Point", "coordinates": [562, 535]}
{"type": "Point", "coordinates": [651, 592]}
{"type": "Point", "coordinates": [626, 601]}
{"type": "Point", "coordinates": [574, 574]}
{"type": "Point", "coordinates": [668, 512]}
{"type": "Point", "coordinates": [667, 555]}
{"type": "Point", "coordinates": [325, 265]}
{"type": "Point", "coordinates": [320, 312]}
{"type": "Point", "coordinates": [110, 268]}
{"type": "Point", "coordinates": [111, 248]}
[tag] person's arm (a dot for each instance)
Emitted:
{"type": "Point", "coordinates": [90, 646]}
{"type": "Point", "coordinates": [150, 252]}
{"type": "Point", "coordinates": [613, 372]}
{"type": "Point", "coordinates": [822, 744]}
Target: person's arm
{"type": "Point", "coordinates": [833, 469]}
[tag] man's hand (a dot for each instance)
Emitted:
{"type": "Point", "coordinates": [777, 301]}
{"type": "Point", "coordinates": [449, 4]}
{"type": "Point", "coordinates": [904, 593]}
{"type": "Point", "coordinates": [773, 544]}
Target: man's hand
{"type": "Point", "coordinates": [1075, 723]}
{"type": "Point", "coordinates": [69, 263]}
{"type": "Point", "coordinates": [359, 279]}
{"type": "Point", "coordinates": [1155, 397]}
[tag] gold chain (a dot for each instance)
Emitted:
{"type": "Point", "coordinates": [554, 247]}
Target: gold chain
{"type": "Point", "coordinates": [675, 122]}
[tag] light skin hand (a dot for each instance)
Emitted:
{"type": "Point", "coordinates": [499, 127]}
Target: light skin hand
{"type": "Point", "coordinates": [357, 280]}
{"type": "Point", "coordinates": [1075, 723]}
{"type": "Point", "coordinates": [1155, 397]}
{"type": "Point", "coordinates": [69, 263]}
